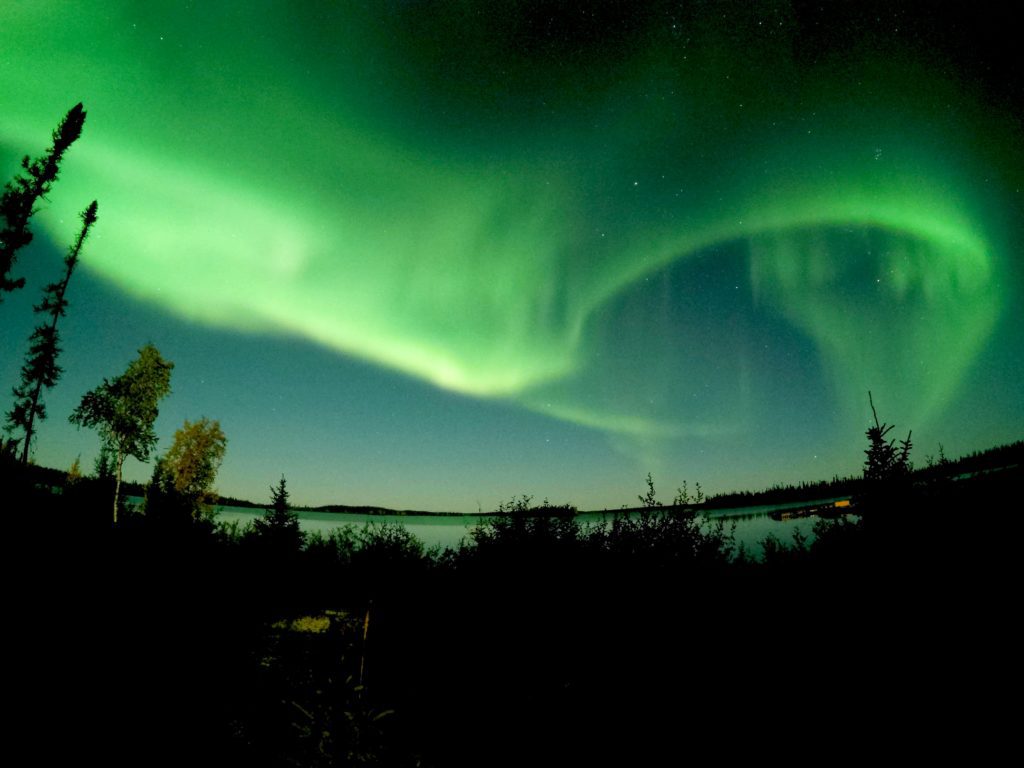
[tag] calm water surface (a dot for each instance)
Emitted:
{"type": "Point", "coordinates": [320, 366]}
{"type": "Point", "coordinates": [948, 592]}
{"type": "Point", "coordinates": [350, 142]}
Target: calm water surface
{"type": "Point", "coordinates": [753, 524]}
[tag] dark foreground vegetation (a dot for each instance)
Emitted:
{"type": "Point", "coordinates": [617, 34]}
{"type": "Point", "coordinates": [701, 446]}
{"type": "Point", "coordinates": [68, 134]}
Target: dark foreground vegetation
{"type": "Point", "coordinates": [168, 639]}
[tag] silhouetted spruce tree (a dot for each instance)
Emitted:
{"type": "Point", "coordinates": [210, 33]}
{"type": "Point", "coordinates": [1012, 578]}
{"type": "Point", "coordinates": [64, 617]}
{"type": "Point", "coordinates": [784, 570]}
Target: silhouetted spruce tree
{"type": "Point", "coordinates": [885, 462]}
{"type": "Point", "coordinates": [17, 204]}
{"type": "Point", "coordinates": [103, 466]}
{"type": "Point", "coordinates": [41, 371]}
{"type": "Point", "coordinates": [888, 482]}
{"type": "Point", "coordinates": [280, 525]}
{"type": "Point", "coordinates": [163, 502]}
{"type": "Point", "coordinates": [123, 410]}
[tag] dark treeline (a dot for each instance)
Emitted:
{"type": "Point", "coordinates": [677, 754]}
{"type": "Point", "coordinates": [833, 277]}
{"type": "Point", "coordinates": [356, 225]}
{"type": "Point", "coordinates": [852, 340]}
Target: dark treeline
{"type": "Point", "coordinates": [1001, 457]}
{"type": "Point", "coordinates": [231, 501]}
{"type": "Point", "coordinates": [58, 481]}
{"type": "Point", "coordinates": [347, 509]}
{"type": "Point", "coordinates": [939, 466]}
{"type": "Point", "coordinates": [782, 494]}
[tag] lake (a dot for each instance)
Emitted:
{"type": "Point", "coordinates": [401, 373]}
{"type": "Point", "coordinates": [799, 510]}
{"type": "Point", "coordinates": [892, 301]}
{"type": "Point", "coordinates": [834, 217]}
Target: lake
{"type": "Point", "coordinates": [753, 524]}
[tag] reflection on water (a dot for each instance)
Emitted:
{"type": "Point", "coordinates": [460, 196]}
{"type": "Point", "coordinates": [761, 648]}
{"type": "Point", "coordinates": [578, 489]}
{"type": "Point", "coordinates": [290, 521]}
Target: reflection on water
{"type": "Point", "coordinates": [752, 524]}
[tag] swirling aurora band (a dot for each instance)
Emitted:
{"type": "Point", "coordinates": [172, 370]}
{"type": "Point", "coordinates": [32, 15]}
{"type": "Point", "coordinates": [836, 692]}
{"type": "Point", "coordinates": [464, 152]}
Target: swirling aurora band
{"type": "Point", "coordinates": [362, 186]}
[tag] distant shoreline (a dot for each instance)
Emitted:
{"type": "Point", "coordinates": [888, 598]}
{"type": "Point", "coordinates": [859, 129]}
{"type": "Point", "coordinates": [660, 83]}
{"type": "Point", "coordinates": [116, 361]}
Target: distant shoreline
{"type": "Point", "coordinates": [998, 459]}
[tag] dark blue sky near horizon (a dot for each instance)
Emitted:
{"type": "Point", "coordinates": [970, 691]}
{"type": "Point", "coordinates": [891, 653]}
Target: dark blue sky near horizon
{"type": "Point", "coordinates": [431, 255]}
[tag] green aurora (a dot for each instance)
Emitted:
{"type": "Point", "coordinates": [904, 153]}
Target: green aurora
{"type": "Point", "coordinates": [415, 185]}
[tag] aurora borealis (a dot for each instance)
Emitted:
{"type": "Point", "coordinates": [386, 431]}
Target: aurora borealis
{"type": "Point", "coordinates": [678, 237]}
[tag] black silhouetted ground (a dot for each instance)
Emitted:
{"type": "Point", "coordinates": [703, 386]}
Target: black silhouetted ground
{"type": "Point", "coordinates": [540, 643]}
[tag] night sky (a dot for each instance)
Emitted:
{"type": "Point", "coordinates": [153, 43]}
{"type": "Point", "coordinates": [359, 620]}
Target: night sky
{"type": "Point", "coordinates": [432, 254]}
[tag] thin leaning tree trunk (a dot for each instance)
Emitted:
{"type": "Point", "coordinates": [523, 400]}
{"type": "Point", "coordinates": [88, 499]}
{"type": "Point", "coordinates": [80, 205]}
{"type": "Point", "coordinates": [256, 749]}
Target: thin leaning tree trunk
{"type": "Point", "coordinates": [117, 482]}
